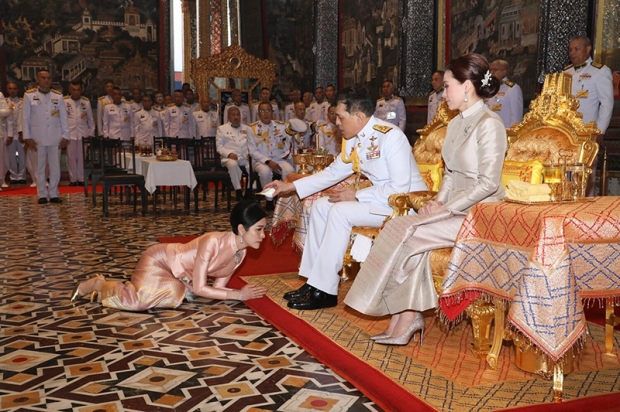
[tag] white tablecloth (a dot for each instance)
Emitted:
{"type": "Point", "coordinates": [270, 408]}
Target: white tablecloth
{"type": "Point", "coordinates": [156, 173]}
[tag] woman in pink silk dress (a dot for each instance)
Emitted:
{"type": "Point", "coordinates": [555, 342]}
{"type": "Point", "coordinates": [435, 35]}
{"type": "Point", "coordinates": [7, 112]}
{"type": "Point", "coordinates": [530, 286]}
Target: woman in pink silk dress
{"type": "Point", "coordinates": [396, 278]}
{"type": "Point", "coordinates": [169, 272]}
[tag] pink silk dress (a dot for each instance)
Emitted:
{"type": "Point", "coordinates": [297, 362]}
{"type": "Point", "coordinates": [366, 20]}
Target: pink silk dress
{"type": "Point", "coordinates": [166, 273]}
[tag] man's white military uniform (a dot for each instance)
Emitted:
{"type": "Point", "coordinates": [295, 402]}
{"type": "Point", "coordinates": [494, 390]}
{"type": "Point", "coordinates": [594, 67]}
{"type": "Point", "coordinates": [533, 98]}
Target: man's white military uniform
{"type": "Point", "coordinates": [229, 139]}
{"type": "Point", "coordinates": [44, 120]}
{"type": "Point", "coordinates": [507, 103]}
{"type": "Point", "coordinates": [434, 100]}
{"type": "Point", "coordinates": [392, 111]}
{"type": "Point", "coordinates": [6, 129]}
{"type": "Point", "coordinates": [147, 124]}
{"type": "Point", "coordinates": [206, 123]}
{"type": "Point", "coordinates": [269, 142]}
{"type": "Point", "coordinates": [311, 113]}
{"type": "Point", "coordinates": [101, 103]}
{"type": "Point", "coordinates": [300, 139]}
{"type": "Point", "coordinates": [118, 121]}
{"type": "Point", "coordinates": [328, 136]}
{"type": "Point", "coordinates": [16, 158]}
{"type": "Point", "coordinates": [274, 107]}
{"type": "Point", "coordinates": [593, 88]}
{"type": "Point", "coordinates": [289, 112]}
{"type": "Point", "coordinates": [244, 111]}
{"type": "Point", "coordinates": [135, 106]}
{"type": "Point", "coordinates": [179, 121]}
{"type": "Point", "coordinates": [81, 124]}
{"type": "Point", "coordinates": [385, 157]}
{"type": "Point", "coordinates": [318, 111]}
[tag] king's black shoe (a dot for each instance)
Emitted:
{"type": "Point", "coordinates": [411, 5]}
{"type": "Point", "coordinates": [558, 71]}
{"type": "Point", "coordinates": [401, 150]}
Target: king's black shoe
{"type": "Point", "coordinates": [298, 293]}
{"type": "Point", "coordinates": [315, 299]}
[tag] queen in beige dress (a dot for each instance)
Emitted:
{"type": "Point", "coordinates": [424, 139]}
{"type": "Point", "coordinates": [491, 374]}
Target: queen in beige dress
{"type": "Point", "coordinates": [396, 277]}
{"type": "Point", "coordinates": [170, 272]}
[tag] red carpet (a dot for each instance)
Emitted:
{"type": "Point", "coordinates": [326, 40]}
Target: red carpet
{"type": "Point", "coordinates": [27, 190]}
{"type": "Point", "coordinates": [380, 389]}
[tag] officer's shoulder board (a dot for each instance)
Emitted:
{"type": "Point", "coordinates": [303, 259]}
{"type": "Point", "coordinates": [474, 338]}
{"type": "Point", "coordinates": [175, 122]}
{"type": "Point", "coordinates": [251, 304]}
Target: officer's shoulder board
{"type": "Point", "coordinates": [34, 89]}
{"type": "Point", "coordinates": [186, 105]}
{"type": "Point", "coordinates": [85, 98]}
{"type": "Point", "coordinates": [279, 121]}
{"type": "Point", "coordinates": [66, 97]}
{"type": "Point", "coordinates": [596, 64]}
{"type": "Point", "coordinates": [568, 67]}
{"type": "Point", "coordinates": [253, 124]}
{"type": "Point", "coordinates": [381, 99]}
{"type": "Point", "coordinates": [381, 128]}
{"type": "Point", "coordinates": [56, 91]}
{"type": "Point", "coordinates": [170, 105]}
{"type": "Point", "coordinates": [509, 83]}
{"type": "Point", "coordinates": [127, 101]}
{"type": "Point", "coordinates": [397, 98]}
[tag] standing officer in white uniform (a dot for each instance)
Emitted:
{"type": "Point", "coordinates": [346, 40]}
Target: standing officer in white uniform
{"type": "Point", "coordinates": [327, 133]}
{"type": "Point", "coordinates": [6, 129]}
{"type": "Point", "coordinates": [81, 124]}
{"type": "Point", "coordinates": [118, 118]}
{"type": "Point", "coordinates": [375, 148]}
{"type": "Point", "coordinates": [265, 93]}
{"type": "Point", "coordinates": [593, 88]}
{"type": "Point", "coordinates": [289, 110]}
{"type": "Point", "coordinates": [270, 147]}
{"type": "Point", "coordinates": [231, 142]}
{"type": "Point", "coordinates": [508, 102]}
{"type": "Point", "coordinates": [318, 108]}
{"type": "Point", "coordinates": [136, 103]}
{"type": "Point", "coordinates": [18, 159]}
{"type": "Point", "coordinates": [244, 109]}
{"type": "Point", "coordinates": [147, 122]}
{"type": "Point", "coordinates": [102, 103]}
{"type": "Point", "coordinates": [179, 118]}
{"type": "Point", "coordinates": [207, 120]}
{"type": "Point", "coordinates": [391, 108]}
{"type": "Point", "coordinates": [44, 122]}
{"type": "Point", "coordinates": [435, 97]}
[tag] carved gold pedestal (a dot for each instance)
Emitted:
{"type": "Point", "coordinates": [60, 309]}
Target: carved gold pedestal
{"type": "Point", "coordinates": [481, 314]}
{"type": "Point", "coordinates": [301, 160]}
{"type": "Point", "coordinates": [319, 162]}
{"type": "Point", "coordinates": [610, 323]}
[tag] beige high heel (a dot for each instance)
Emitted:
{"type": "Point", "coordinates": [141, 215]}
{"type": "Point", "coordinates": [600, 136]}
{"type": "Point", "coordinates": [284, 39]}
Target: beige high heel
{"type": "Point", "coordinates": [75, 295]}
{"type": "Point", "coordinates": [380, 336]}
{"type": "Point", "coordinates": [417, 325]}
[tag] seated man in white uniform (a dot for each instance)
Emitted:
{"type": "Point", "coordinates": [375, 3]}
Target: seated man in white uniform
{"type": "Point", "coordinates": [207, 120]}
{"type": "Point", "coordinates": [118, 118]}
{"type": "Point", "coordinates": [373, 147]}
{"type": "Point", "coordinates": [391, 108]}
{"type": "Point", "coordinates": [231, 141]}
{"type": "Point", "coordinates": [270, 147]}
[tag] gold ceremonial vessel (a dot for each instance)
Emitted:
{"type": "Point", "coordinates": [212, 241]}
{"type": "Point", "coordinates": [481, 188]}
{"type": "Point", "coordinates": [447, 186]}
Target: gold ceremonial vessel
{"type": "Point", "coordinates": [318, 162]}
{"type": "Point", "coordinates": [301, 160]}
{"type": "Point", "coordinates": [167, 157]}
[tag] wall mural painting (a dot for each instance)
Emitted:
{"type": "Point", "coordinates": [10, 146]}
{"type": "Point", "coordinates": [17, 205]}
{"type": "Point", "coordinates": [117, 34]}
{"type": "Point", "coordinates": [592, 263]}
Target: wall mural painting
{"type": "Point", "coordinates": [290, 25]}
{"type": "Point", "coordinates": [369, 49]}
{"type": "Point", "coordinates": [90, 40]}
{"type": "Point", "coordinates": [499, 29]}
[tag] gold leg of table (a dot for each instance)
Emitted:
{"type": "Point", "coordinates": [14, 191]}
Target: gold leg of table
{"type": "Point", "coordinates": [481, 314]}
{"type": "Point", "coordinates": [498, 335]}
{"type": "Point", "coordinates": [610, 323]}
{"type": "Point", "coordinates": [558, 382]}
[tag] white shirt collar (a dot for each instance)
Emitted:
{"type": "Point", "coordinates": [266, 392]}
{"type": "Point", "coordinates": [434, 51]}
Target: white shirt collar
{"type": "Point", "coordinates": [473, 109]}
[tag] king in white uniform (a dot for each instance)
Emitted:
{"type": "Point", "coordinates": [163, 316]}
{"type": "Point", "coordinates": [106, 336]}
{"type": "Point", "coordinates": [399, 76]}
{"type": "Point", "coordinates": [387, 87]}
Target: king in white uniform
{"type": "Point", "coordinates": [81, 124]}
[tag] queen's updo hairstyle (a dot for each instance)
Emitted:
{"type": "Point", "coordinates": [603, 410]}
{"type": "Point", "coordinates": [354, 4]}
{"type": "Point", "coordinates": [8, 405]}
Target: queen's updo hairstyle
{"type": "Point", "coordinates": [474, 67]}
{"type": "Point", "coordinates": [246, 213]}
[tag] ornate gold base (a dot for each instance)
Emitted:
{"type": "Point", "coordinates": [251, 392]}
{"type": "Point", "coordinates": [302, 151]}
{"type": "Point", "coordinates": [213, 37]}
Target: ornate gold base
{"type": "Point", "coordinates": [481, 314]}
{"type": "Point", "coordinates": [532, 360]}
{"type": "Point", "coordinates": [303, 170]}
{"type": "Point", "coordinates": [349, 270]}
{"type": "Point", "coordinates": [610, 323]}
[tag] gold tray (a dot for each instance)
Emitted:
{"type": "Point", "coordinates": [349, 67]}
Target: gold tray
{"type": "Point", "coordinates": [167, 158]}
{"type": "Point", "coordinates": [548, 202]}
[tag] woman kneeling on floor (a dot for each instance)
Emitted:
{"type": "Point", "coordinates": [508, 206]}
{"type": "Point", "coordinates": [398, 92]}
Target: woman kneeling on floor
{"type": "Point", "coordinates": [169, 272]}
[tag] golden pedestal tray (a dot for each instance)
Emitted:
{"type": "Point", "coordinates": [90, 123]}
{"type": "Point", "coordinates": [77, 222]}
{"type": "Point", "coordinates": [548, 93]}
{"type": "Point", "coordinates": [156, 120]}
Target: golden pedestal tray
{"type": "Point", "coordinates": [301, 160]}
{"type": "Point", "coordinates": [167, 158]}
{"type": "Point", "coordinates": [320, 162]}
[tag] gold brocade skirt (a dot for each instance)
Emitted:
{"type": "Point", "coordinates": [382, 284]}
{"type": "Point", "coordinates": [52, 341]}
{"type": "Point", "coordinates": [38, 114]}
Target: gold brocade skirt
{"type": "Point", "coordinates": [152, 285]}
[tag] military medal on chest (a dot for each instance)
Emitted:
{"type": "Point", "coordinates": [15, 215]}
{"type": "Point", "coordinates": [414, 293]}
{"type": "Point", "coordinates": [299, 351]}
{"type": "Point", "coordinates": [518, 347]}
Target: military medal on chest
{"type": "Point", "coordinates": [373, 150]}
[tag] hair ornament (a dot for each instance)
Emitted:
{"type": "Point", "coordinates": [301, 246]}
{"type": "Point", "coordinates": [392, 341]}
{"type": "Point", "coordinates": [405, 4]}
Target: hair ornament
{"type": "Point", "coordinates": [487, 79]}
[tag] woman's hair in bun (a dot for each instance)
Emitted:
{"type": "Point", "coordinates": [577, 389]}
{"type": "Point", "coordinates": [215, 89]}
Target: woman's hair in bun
{"type": "Point", "coordinates": [475, 68]}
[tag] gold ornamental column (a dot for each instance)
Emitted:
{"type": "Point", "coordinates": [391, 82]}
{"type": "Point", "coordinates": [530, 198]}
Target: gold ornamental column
{"type": "Point", "coordinates": [204, 28]}
{"type": "Point", "coordinates": [186, 7]}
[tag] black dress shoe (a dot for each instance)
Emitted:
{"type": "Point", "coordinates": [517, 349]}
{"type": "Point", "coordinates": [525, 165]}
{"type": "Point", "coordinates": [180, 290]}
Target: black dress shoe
{"type": "Point", "coordinates": [56, 200]}
{"type": "Point", "coordinates": [42, 200]}
{"type": "Point", "coordinates": [298, 293]}
{"type": "Point", "coordinates": [315, 299]}
{"type": "Point", "coordinates": [80, 183]}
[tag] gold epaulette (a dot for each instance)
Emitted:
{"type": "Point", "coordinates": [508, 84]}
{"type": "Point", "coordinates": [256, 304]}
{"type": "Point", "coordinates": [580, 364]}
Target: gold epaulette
{"type": "Point", "coordinates": [34, 89]}
{"type": "Point", "coordinates": [170, 105]}
{"type": "Point", "coordinates": [278, 121]}
{"type": "Point", "coordinates": [102, 97]}
{"type": "Point", "coordinates": [157, 109]}
{"type": "Point", "coordinates": [56, 91]}
{"type": "Point", "coordinates": [382, 129]}
{"type": "Point", "coordinates": [85, 98]}
{"type": "Point", "coordinates": [67, 97]}
{"type": "Point", "coordinates": [253, 124]}
{"type": "Point", "coordinates": [596, 64]}
{"type": "Point", "coordinates": [509, 83]}
{"type": "Point", "coordinates": [381, 98]}
{"type": "Point", "coordinates": [397, 98]}
{"type": "Point", "coordinates": [186, 105]}
{"type": "Point", "coordinates": [568, 67]}
{"type": "Point", "coordinates": [127, 101]}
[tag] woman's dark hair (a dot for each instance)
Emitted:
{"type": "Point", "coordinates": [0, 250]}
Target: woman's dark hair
{"type": "Point", "coordinates": [246, 213]}
{"type": "Point", "coordinates": [356, 100]}
{"type": "Point", "coordinates": [475, 68]}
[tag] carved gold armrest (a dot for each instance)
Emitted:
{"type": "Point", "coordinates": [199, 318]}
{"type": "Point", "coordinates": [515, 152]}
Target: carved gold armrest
{"type": "Point", "coordinates": [419, 199]}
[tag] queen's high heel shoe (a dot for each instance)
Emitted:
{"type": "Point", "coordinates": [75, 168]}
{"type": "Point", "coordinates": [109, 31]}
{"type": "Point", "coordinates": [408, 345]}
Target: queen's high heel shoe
{"type": "Point", "coordinates": [417, 325]}
{"type": "Point", "coordinates": [380, 336]}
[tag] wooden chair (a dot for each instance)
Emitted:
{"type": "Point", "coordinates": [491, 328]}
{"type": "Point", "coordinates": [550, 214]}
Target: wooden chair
{"type": "Point", "coordinates": [115, 152]}
{"type": "Point", "coordinates": [208, 169]}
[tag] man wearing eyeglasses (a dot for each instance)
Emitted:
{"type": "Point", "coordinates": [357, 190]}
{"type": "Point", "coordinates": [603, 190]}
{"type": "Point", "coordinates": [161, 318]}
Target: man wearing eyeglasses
{"type": "Point", "coordinates": [270, 147]}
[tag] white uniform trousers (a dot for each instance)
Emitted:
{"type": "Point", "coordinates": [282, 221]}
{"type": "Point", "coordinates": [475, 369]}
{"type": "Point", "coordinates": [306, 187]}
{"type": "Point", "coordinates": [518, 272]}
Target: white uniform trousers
{"type": "Point", "coordinates": [32, 160]}
{"type": "Point", "coordinates": [48, 156]}
{"type": "Point", "coordinates": [265, 174]}
{"type": "Point", "coordinates": [328, 238]}
{"type": "Point", "coordinates": [234, 170]}
{"type": "Point", "coordinates": [4, 165]}
{"type": "Point", "coordinates": [15, 160]}
{"type": "Point", "coordinates": [75, 158]}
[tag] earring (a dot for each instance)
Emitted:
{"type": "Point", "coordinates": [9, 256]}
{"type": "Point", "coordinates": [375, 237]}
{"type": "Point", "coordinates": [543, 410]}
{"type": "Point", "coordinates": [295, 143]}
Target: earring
{"type": "Point", "coordinates": [465, 99]}
{"type": "Point", "coordinates": [241, 239]}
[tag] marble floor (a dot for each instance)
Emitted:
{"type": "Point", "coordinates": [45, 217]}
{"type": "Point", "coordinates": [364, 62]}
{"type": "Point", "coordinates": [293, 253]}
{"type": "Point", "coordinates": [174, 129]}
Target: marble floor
{"type": "Point", "coordinates": [203, 356]}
